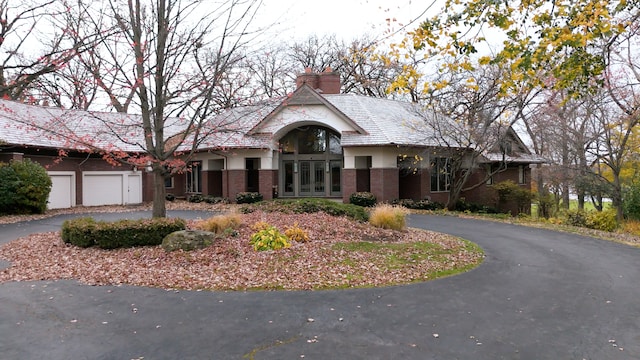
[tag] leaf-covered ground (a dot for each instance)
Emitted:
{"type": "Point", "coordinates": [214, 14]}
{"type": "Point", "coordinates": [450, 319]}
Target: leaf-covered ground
{"type": "Point", "coordinates": [340, 254]}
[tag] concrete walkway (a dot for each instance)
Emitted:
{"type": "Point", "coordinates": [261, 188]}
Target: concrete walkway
{"type": "Point", "coordinates": [538, 295]}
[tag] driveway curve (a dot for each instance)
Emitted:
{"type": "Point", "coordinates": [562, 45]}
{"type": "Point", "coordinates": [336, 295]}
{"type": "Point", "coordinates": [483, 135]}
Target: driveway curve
{"type": "Point", "coordinates": [538, 295]}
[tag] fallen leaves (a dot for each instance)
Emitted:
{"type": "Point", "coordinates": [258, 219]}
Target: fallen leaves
{"type": "Point", "coordinates": [232, 264]}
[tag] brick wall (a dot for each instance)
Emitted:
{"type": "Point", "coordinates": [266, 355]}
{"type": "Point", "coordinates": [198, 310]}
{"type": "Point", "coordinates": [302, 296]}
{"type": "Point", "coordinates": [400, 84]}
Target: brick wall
{"type": "Point", "coordinates": [349, 183]}
{"type": "Point", "coordinates": [266, 183]}
{"type": "Point", "coordinates": [384, 184]}
{"type": "Point", "coordinates": [235, 183]}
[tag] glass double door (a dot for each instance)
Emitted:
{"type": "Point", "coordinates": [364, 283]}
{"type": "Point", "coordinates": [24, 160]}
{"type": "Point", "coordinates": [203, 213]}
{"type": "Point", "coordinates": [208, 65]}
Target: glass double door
{"type": "Point", "coordinates": [312, 178]}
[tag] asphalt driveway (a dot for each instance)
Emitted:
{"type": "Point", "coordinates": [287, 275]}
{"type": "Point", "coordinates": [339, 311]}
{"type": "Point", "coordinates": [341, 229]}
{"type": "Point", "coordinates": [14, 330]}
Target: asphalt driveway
{"type": "Point", "coordinates": [538, 295]}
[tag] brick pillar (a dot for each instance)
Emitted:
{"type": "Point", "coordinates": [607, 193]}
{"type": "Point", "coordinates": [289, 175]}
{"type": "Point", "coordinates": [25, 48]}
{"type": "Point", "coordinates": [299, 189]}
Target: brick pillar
{"type": "Point", "coordinates": [349, 183]}
{"type": "Point", "coordinates": [235, 183]}
{"type": "Point", "coordinates": [384, 184]}
{"type": "Point", "coordinates": [204, 182]}
{"type": "Point", "coordinates": [266, 183]}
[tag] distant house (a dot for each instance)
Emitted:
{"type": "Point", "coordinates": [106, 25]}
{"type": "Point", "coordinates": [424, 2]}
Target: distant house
{"type": "Point", "coordinates": [314, 143]}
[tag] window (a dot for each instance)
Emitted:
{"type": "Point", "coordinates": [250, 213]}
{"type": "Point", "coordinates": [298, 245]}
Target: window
{"type": "Point", "coordinates": [521, 175]}
{"type": "Point", "coordinates": [440, 174]}
{"type": "Point", "coordinates": [194, 177]}
{"type": "Point", "coordinates": [168, 182]}
{"type": "Point", "coordinates": [253, 176]}
{"type": "Point", "coordinates": [489, 169]}
{"type": "Point", "coordinates": [506, 147]}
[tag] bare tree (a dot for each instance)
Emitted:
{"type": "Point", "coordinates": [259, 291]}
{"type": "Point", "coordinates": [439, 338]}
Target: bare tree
{"type": "Point", "coordinates": [471, 121]}
{"type": "Point", "coordinates": [174, 62]}
{"type": "Point", "coordinates": [42, 25]}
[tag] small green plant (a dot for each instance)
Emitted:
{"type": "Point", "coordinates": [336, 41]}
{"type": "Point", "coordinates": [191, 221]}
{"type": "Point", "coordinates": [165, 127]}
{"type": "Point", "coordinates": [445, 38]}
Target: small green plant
{"type": "Point", "coordinates": [220, 224]}
{"type": "Point", "coordinates": [170, 197]}
{"type": "Point", "coordinates": [269, 239]}
{"type": "Point", "coordinates": [248, 197]}
{"type": "Point", "coordinates": [363, 198]}
{"type": "Point", "coordinates": [389, 217]}
{"type": "Point", "coordinates": [296, 233]}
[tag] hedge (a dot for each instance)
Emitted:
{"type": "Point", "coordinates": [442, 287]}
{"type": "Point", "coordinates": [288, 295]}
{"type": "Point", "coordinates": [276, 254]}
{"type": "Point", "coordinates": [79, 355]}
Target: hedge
{"type": "Point", "coordinates": [86, 232]}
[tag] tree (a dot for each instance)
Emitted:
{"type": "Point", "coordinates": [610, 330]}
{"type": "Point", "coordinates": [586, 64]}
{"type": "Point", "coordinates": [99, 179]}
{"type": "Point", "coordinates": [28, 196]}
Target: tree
{"type": "Point", "coordinates": [173, 63]}
{"type": "Point", "coordinates": [470, 121]}
{"type": "Point", "coordinates": [23, 27]}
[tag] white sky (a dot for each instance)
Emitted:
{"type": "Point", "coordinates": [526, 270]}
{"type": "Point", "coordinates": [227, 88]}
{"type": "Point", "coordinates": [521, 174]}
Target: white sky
{"type": "Point", "coordinates": [348, 19]}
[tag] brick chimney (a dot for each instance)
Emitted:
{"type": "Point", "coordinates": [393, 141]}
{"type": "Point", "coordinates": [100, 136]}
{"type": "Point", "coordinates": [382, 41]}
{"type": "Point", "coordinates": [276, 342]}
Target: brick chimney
{"type": "Point", "coordinates": [326, 82]}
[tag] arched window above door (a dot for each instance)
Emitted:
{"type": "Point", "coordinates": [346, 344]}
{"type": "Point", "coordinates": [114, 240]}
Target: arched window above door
{"type": "Point", "coordinates": [311, 140]}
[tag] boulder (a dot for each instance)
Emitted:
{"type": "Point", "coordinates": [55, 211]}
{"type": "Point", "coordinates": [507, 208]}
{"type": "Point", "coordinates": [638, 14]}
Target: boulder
{"type": "Point", "coordinates": [188, 240]}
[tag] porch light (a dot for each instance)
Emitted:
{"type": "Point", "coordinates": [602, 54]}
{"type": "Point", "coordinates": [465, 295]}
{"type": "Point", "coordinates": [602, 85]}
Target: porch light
{"type": "Point", "coordinates": [295, 166]}
{"type": "Point", "coordinates": [326, 166]}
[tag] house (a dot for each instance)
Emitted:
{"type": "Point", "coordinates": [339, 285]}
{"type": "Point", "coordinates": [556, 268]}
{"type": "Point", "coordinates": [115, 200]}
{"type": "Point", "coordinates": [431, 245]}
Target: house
{"type": "Point", "coordinates": [316, 142]}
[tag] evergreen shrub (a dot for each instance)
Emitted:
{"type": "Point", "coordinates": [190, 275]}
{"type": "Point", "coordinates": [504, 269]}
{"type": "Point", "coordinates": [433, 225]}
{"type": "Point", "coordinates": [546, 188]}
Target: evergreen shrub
{"type": "Point", "coordinates": [24, 187]}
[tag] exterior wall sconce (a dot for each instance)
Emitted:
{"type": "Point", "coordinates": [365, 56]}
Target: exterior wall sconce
{"type": "Point", "coordinates": [295, 166]}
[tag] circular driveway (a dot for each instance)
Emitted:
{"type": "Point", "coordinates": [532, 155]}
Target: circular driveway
{"type": "Point", "coordinates": [538, 295]}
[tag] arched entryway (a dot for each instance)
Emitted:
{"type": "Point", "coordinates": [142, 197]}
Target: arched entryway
{"type": "Point", "coordinates": [310, 163]}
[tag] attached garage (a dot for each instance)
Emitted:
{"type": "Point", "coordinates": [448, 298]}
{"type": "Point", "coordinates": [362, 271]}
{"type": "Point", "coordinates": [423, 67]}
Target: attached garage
{"type": "Point", "coordinates": [111, 188]}
{"type": "Point", "coordinates": [63, 189]}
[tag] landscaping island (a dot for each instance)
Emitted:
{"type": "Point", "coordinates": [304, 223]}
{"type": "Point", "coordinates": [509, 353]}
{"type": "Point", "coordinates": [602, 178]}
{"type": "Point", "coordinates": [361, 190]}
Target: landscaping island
{"type": "Point", "coordinates": [339, 253]}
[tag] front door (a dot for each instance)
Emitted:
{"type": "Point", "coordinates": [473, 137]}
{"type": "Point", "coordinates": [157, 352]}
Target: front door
{"type": "Point", "coordinates": [312, 179]}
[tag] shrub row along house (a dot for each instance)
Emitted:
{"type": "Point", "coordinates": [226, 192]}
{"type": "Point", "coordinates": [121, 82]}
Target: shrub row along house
{"type": "Point", "coordinates": [316, 142]}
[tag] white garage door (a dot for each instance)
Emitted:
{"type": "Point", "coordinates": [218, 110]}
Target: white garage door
{"type": "Point", "coordinates": [111, 188]}
{"type": "Point", "coordinates": [62, 195]}
{"type": "Point", "coordinates": [101, 189]}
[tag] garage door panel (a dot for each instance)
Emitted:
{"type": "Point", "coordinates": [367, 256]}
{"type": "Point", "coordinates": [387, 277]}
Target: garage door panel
{"type": "Point", "coordinates": [102, 189]}
{"type": "Point", "coordinates": [61, 195]}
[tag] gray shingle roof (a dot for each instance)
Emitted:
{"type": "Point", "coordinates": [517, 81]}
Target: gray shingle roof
{"type": "Point", "coordinates": [379, 122]}
{"type": "Point", "coordinates": [50, 127]}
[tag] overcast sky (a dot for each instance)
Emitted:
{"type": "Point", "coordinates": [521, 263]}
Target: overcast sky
{"type": "Point", "coordinates": [347, 19]}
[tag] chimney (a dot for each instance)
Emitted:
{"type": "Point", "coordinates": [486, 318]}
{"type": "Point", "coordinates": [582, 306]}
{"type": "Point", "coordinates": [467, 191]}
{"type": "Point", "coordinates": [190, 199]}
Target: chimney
{"type": "Point", "coordinates": [326, 82]}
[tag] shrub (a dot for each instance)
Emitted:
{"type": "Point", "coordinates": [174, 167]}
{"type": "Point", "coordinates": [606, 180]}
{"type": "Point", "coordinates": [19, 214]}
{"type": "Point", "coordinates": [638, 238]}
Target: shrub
{"type": "Point", "coordinates": [310, 205]}
{"type": "Point", "coordinates": [510, 191]}
{"type": "Point", "coordinates": [296, 233]}
{"type": "Point", "coordinates": [24, 187]}
{"type": "Point", "coordinates": [631, 201]}
{"type": "Point", "coordinates": [86, 232]}
{"type": "Point", "coordinates": [269, 239]}
{"type": "Point", "coordinates": [576, 218]}
{"type": "Point", "coordinates": [79, 232]}
{"type": "Point", "coordinates": [170, 197]}
{"type": "Point", "coordinates": [632, 227]}
{"type": "Point", "coordinates": [388, 217]}
{"type": "Point", "coordinates": [248, 197]}
{"type": "Point", "coordinates": [363, 198]}
{"type": "Point", "coordinates": [215, 200]}
{"type": "Point", "coordinates": [195, 198]}
{"type": "Point", "coordinates": [423, 204]}
{"type": "Point", "coordinates": [220, 224]}
{"type": "Point", "coordinates": [602, 220]}
{"type": "Point", "coordinates": [464, 206]}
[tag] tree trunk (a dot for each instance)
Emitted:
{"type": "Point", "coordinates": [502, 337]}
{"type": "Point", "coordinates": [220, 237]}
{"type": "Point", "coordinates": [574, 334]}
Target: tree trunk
{"type": "Point", "coordinates": [159, 193]}
{"type": "Point", "coordinates": [616, 197]}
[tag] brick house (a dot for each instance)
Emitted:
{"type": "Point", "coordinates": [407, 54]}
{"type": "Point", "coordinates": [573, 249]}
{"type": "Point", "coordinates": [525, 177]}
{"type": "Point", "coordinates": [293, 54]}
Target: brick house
{"type": "Point", "coordinates": [316, 142]}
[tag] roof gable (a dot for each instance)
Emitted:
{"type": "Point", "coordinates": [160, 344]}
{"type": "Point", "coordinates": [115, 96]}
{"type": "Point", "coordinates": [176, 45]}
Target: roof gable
{"type": "Point", "coordinates": [301, 100]}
